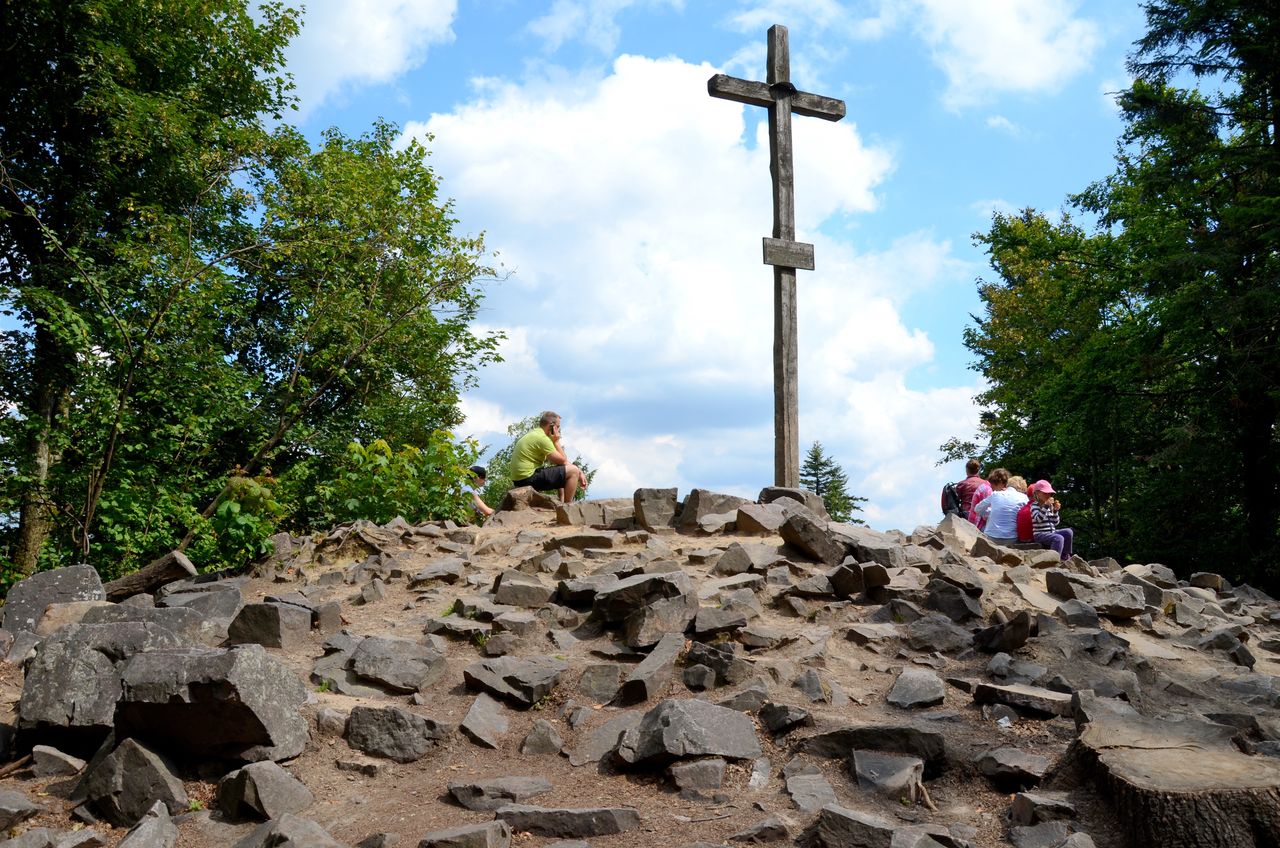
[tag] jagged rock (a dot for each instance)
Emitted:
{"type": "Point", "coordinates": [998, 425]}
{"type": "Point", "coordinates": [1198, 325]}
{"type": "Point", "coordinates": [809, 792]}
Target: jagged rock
{"type": "Point", "coordinates": [654, 508]}
{"type": "Point", "coordinates": [772, 829]}
{"type": "Point", "coordinates": [871, 546]}
{"type": "Point", "coordinates": [523, 682]}
{"type": "Point", "coordinates": [1077, 613]}
{"type": "Point", "coordinates": [394, 733]}
{"type": "Point", "coordinates": [525, 498]}
{"type": "Point", "coordinates": [494, 834]}
{"type": "Point", "coordinates": [840, 827]}
{"type": "Point", "coordinates": [16, 808]}
{"type": "Point", "coordinates": [1006, 637]}
{"type": "Point", "coordinates": [729, 668]}
{"type": "Point", "coordinates": [713, 621]}
{"type": "Point", "coordinates": [289, 831]}
{"type": "Point", "coordinates": [596, 743]}
{"type": "Point", "coordinates": [701, 503]}
{"type": "Point", "coordinates": [893, 775]}
{"type": "Point", "coordinates": [232, 704]}
{"type": "Point", "coordinates": [542, 739]}
{"type": "Point", "coordinates": [646, 626]}
{"type": "Point", "coordinates": [688, 728]}
{"type": "Point", "coordinates": [448, 570]}
{"type": "Point", "coordinates": [262, 791]}
{"type": "Point", "coordinates": [1035, 807]}
{"type": "Point", "coordinates": [810, 791]}
{"type": "Point", "coordinates": [618, 601]}
{"type": "Point", "coordinates": [805, 498]}
{"type": "Point", "coordinates": [122, 786]}
{"type": "Point", "coordinates": [750, 699]}
{"type": "Point", "coordinates": [57, 616]}
{"type": "Point", "coordinates": [917, 688]}
{"type": "Point", "coordinates": [935, 632]}
{"type": "Point", "coordinates": [491, 794]}
{"type": "Point", "coordinates": [72, 683]}
{"type": "Point", "coordinates": [1011, 768]}
{"type": "Point", "coordinates": [928, 745]}
{"type": "Point", "coordinates": [783, 718]}
{"type": "Point", "coordinates": [399, 665]}
{"type": "Point", "coordinates": [698, 774]}
{"type": "Point", "coordinates": [517, 589]}
{"type": "Point", "coordinates": [1052, 834]}
{"type": "Point", "coordinates": [283, 626]}
{"type": "Point", "coordinates": [1207, 580]}
{"type": "Point", "coordinates": [1032, 699]}
{"type": "Point", "coordinates": [809, 535]}
{"type": "Point", "coordinates": [153, 830]}
{"type": "Point", "coordinates": [1086, 706]}
{"type": "Point", "coordinates": [653, 676]}
{"type": "Point", "coordinates": [188, 624]}
{"type": "Point", "coordinates": [50, 762]}
{"type": "Point", "coordinates": [546, 821]}
{"type": "Point", "coordinates": [26, 600]}
{"type": "Point", "coordinates": [1111, 600]}
{"type": "Point", "coordinates": [484, 723]}
{"type": "Point", "coordinates": [952, 601]}
{"type": "Point", "coordinates": [760, 518]}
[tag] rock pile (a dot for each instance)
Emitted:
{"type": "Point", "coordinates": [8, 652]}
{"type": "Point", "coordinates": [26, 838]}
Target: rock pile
{"type": "Point", "coordinates": [645, 671]}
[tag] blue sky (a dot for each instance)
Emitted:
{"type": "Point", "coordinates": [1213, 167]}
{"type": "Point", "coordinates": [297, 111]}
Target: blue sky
{"type": "Point", "coordinates": [627, 207]}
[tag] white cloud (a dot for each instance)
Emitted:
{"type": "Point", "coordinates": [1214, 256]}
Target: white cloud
{"type": "Point", "coordinates": [986, 209]}
{"type": "Point", "coordinates": [349, 43]}
{"type": "Point", "coordinates": [640, 309]}
{"type": "Point", "coordinates": [1000, 122]}
{"type": "Point", "coordinates": [992, 47]}
{"type": "Point", "coordinates": [595, 22]}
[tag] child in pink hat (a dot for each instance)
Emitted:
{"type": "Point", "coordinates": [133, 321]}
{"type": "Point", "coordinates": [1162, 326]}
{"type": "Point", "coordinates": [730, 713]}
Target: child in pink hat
{"type": "Point", "coordinates": [1044, 520]}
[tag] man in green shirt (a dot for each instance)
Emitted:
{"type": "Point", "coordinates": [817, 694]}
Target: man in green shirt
{"type": "Point", "coordinates": [543, 445]}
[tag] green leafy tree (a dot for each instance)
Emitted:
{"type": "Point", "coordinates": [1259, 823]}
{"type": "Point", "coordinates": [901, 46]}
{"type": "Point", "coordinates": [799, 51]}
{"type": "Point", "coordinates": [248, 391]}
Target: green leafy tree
{"type": "Point", "coordinates": [821, 475]}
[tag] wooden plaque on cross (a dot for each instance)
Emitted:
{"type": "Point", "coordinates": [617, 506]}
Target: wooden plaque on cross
{"type": "Point", "coordinates": [783, 252]}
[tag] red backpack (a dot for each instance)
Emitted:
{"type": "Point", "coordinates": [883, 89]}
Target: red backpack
{"type": "Point", "coordinates": [1024, 523]}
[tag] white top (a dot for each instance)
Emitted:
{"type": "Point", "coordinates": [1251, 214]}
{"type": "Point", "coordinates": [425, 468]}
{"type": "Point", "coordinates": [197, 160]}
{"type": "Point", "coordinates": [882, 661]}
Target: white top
{"type": "Point", "coordinates": [1001, 509]}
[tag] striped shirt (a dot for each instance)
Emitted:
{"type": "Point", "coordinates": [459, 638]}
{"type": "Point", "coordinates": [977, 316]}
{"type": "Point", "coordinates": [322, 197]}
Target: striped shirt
{"type": "Point", "coordinates": [1044, 518]}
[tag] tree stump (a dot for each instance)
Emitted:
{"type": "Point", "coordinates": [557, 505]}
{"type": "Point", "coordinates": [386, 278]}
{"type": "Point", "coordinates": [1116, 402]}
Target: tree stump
{"type": "Point", "coordinates": [1177, 784]}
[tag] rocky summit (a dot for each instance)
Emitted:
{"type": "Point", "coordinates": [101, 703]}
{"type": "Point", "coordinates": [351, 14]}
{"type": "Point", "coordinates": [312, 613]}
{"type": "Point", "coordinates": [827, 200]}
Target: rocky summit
{"type": "Point", "coordinates": [653, 671]}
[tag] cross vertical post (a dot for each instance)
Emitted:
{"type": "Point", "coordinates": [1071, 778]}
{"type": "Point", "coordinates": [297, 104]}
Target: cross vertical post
{"type": "Point", "coordinates": [783, 252]}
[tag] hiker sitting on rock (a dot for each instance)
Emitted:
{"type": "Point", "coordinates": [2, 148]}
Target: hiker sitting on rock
{"type": "Point", "coordinates": [972, 489]}
{"type": "Point", "coordinates": [479, 476]}
{"type": "Point", "coordinates": [1044, 520]}
{"type": "Point", "coordinates": [543, 445]}
{"type": "Point", "coordinates": [1000, 508]}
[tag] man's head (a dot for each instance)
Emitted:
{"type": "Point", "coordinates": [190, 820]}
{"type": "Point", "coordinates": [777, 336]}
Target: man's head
{"type": "Point", "coordinates": [998, 478]}
{"type": "Point", "coordinates": [549, 422]}
{"type": "Point", "coordinates": [478, 472]}
{"type": "Point", "coordinates": [971, 467]}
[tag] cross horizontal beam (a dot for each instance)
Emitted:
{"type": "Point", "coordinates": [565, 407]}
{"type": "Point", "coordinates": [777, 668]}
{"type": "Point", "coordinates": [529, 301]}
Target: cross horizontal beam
{"type": "Point", "coordinates": [759, 94]}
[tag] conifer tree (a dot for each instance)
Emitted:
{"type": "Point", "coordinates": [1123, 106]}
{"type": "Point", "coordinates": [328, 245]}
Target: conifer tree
{"type": "Point", "coordinates": [821, 475]}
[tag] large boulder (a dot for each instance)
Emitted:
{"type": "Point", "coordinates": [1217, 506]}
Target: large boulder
{"type": "Point", "coordinates": [123, 786]}
{"type": "Point", "coordinates": [395, 733]}
{"type": "Point", "coordinates": [262, 791]}
{"type": "Point", "coordinates": [399, 665]}
{"type": "Point", "coordinates": [26, 601]}
{"type": "Point", "coordinates": [289, 831]}
{"type": "Point", "coordinates": [811, 500]}
{"type": "Point", "coordinates": [701, 503]}
{"type": "Point", "coordinates": [679, 728]}
{"type": "Point", "coordinates": [283, 626]}
{"type": "Point", "coordinates": [618, 601]}
{"type": "Point", "coordinates": [654, 508]}
{"type": "Point", "coordinates": [237, 703]}
{"type": "Point", "coordinates": [523, 682]}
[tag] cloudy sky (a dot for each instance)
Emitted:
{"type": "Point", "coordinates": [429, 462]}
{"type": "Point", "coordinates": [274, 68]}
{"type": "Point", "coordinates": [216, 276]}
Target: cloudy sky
{"type": "Point", "coordinates": [627, 207]}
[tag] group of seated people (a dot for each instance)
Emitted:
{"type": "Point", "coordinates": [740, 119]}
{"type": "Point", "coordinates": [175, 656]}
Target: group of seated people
{"type": "Point", "coordinates": [993, 505]}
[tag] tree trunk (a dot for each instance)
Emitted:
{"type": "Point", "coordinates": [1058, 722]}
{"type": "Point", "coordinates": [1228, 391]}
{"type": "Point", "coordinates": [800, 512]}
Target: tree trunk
{"type": "Point", "coordinates": [1176, 784]}
{"type": "Point", "coordinates": [50, 407]}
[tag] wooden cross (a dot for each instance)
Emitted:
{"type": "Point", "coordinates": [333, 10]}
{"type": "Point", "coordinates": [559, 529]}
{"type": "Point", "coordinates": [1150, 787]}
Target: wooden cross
{"type": "Point", "coordinates": [782, 251]}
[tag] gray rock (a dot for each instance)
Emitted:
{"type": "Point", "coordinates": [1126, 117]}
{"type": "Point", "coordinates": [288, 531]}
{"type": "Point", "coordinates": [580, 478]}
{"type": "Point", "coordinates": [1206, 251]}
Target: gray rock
{"type": "Point", "coordinates": [394, 733]}
{"type": "Point", "coordinates": [712, 621]}
{"type": "Point", "coordinates": [760, 518]}
{"type": "Point", "coordinates": [523, 682]}
{"type": "Point", "coordinates": [772, 829]}
{"type": "Point", "coordinates": [652, 677]}
{"type": "Point", "coordinates": [839, 827]}
{"type": "Point", "coordinates": [239, 703]}
{"type": "Point", "coordinates": [595, 744]}
{"type": "Point", "coordinates": [50, 762]}
{"type": "Point", "coordinates": [494, 834]}
{"type": "Point", "coordinates": [26, 600]}
{"type": "Point", "coordinates": [262, 791]}
{"type": "Point", "coordinates": [688, 728]}
{"type": "Point", "coordinates": [928, 745]}
{"type": "Point", "coordinates": [1076, 613]}
{"type": "Point", "coordinates": [484, 722]}
{"type": "Point", "coordinates": [729, 668]}
{"type": "Point", "coordinates": [1050, 834]}
{"type": "Point", "coordinates": [289, 831]}
{"type": "Point", "coordinates": [188, 624]}
{"type": "Point", "coordinates": [399, 665]}
{"type": "Point", "coordinates": [153, 830]}
{"type": "Point", "coordinates": [647, 625]}
{"type": "Point", "coordinates": [489, 795]}
{"type": "Point", "coordinates": [1010, 768]}
{"type": "Point", "coordinates": [808, 534]}
{"type": "Point", "coordinates": [936, 632]}
{"type": "Point", "coordinates": [1035, 807]}
{"type": "Point", "coordinates": [917, 688]}
{"type": "Point", "coordinates": [515, 588]}
{"type": "Point", "coordinates": [895, 776]}
{"type": "Point", "coordinates": [542, 739]}
{"type": "Point", "coordinates": [600, 682]}
{"type": "Point", "coordinates": [654, 508]}
{"type": "Point", "coordinates": [750, 699]}
{"type": "Point", "coordinates": [952, 601]}
{"type": "Point", "coordinates": [448, 570]}
{"type": "Point", "coordinates": [805, 498]}
{"type": "Point", "coordinates": [547, 821]}
{"type": "Point", "coordinates": [618, 601]}
{"type": "Point", "coordinates": [1030, 699]}
{"type": "Point", "coordinates": [702, 503]}
{"type": "Point", "coordinates": [283, 626]}
{"type": "Point", "coordinates": [16, 808]}
{"type": "Point", "coordinates": [123, 786]}
{"type": "Point", "coordinates": [810, 791]}
{"type": "Point", "coordinates": [1007, 637]}
{"type": "Point", "coordinates": [783, 718]}
{"type": "Point", "coordinates": [698, 774]}
{"type": "Point", "coordinates": [379, 840]}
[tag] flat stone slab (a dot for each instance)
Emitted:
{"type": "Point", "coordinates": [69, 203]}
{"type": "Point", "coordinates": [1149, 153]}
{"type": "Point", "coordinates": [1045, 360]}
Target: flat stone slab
{"type": "Point", "coordinates": [1030, 698]}
{"type": "Point", "coordinates": [497, 792]}
{"type": "Point", "coordinates": [494, 834]}
{"type": "Point", "coordinates": [679, 728]}
{"type": "Point", "coordinates": [595, 744]}
{"type": "Point", "coordinates": [522, 682]}
{"type": "Point", "coordinates": [550, 821]}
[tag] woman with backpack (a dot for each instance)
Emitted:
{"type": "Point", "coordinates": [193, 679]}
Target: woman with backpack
{"type": "Point", "coordinates": [1000, 508]}
{"type": "Point", "coordinates": [1044, 520]}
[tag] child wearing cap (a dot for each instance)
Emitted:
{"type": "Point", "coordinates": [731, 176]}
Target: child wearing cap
{"type": "Point", "coordinates": [1044, 520]}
